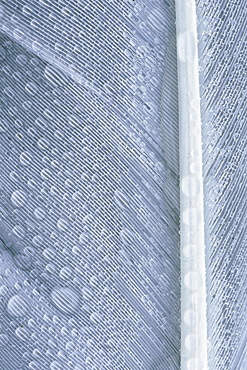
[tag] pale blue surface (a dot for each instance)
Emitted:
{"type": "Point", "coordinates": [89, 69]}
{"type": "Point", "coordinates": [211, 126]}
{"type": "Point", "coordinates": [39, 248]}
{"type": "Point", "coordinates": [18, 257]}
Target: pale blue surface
{"type": "Point", "coordinates": [90, 243]}
{"type": "Point", "coordinates": [89, 186]}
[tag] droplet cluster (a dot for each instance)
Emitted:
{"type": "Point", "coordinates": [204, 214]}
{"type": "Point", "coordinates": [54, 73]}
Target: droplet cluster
{"type": "Point", "coordinates": [89, 271]}
{"type": "Point", "coordinates": [222, 59]}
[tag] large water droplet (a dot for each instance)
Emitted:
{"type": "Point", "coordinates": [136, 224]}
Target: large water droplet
{"type": "Point", "coordinates": [19, 198]}
{"type": "Point", "coordinates": [39, 213]}
{"type": "Point", "coordinates": [63, 224]}
{"type": "Point", "coordinates": [17, 306]}
{"type": "Point", "coordinates": [22, 333]}
{"type": "Point", "coordinates": [190, 186]}
{"type": "Point", "coordinates": [65, 273]}
{"type": "Point", "coordinates": [19, 231]}
{"type": "Point", "coordinates": [26, 158]}
{"type": "Point", "coordinates": [49, 253]}
{"type": "Point", "coordinates": [84, 238]}
{"type": "Point", "coordinates": [31, 88]}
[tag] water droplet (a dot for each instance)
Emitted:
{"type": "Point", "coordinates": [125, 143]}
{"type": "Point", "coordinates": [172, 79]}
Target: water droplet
{"type": "Point", "coordinates": [37, 46]}
{"type": "Point", "coordinates": [65, 273]}
{"type": "Point", "coordinates": [1, 11]}
{"type": "Point", "coordinates": [190, 250]}
{"type": "Point", "coordinates": [95, 317]}
{"type": "Point", "coordinates": [39, 213]}
{"type": "Point", "coordinates": [63, 224]}
{"type": "Point", "coordinates": [3, 125]}
{"type": "Point", "coordinates": [38, 240]}
{"type": "Point", "coordinates": [87, 293]}
{"type": "Point", "coordinates": [34, 365]}
{"type": "Point", "coordinates": [195, 167]}
{"type": "Point", "coordinates": [19, 198]}
{"type": "Point", "coordinates": [73, 121]}
{"type": "Point", "coordinates": [191, 216]}
{"type": "Point", "coordinates": [127, 236]}
{"type": "Point", "coordinates": [26, 158]}
{"type": "Point", "coordinates": [65, 299]}
{"type": "Point", "coordinates": [43, 143]}
{"type": "Point", "coordinates": [190, 341]}
{"type": "Point", "coordinates": [194, 153]}
{"type": "Point", "coordinates": [19, 231]}
{"type": "Point", "coordinates": [18, 34]}
{"type": "Point", "coordinates": [190, 317]}
{"type": "Point", "coordinates": [22, 333]}
{"type": "Point", "coordinates": [190, 186]}
{"type": "Point", "coordinates": [84, 238]}
{"type": "Point", "coordinates": [51, 268]}
{"type": "Point", "coordinates": [17, 306]}
{"type": "Point", "coordinates": [4, 290]}
{"type": "Point", "coordinates": [49, 253]}
{"type": "Point", "coordinates": [192, 280]}
{"type": "Point", "coordinates": [41, 123]}
{"type": "Point", "coordinates": [31, 88]}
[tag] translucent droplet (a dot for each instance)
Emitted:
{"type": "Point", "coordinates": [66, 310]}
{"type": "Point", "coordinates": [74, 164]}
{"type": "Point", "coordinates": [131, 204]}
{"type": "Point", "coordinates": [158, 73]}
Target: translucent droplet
{"type": "Point", "coordinates": [193, 363]}
{"type": "Point", "coordinates": [191, 216]}
{"type": "Point", "coordinates": [19, 198]}
{"type": "Point", "coordinates": [190, 317]}
{"type": "Point", "coordinates": [127, 236]}
{"type": "Point", "coordinates": [190, 186]}
{"type": "Point", "coordinates": [38, 240]}
{"type": "Point", "coordinates": [194, 167]}
{"type": "Point", "coordinates": [37, 46]}
{"type": "Point", "coordinates": [192, 280]}
{"type": "Point", "coordinates": [22, 333]}
{"type": "Point", "coordinates": [84, 238]}
{"type": "Point", "coordinates": [31, 88]}
{"type": "Point", "coordinates": [65, 273]}
{"type": "Point", "coordinates": [19, 231]}
{"type": "Point", "coordinates": [87, 293]}
{"type": "Point", "coordinates": [190, 250]}
{"type": "Point", "coordinates": [1, 11]}
{"type": "Point", "coordinates": [17, 306]}
{"type": "Point", "coordinates": [49, 253]}
{"type": "Point", "coordinates": [63, 224]}
{"type": "Point", "coordinates": [4, 290]}
{"type": "Point", "coordinates": [39, 213]}
{"type": "Point", "coordinates": [18, 34]}
{"type": "Point", "coordinates": [95, 317]}
{"type": "Point", "coordinates": [51, 268]}
{"type": "Point", "coordinates": [26, 158]}
{"type": "Point", "coordinates": [190, 341]}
